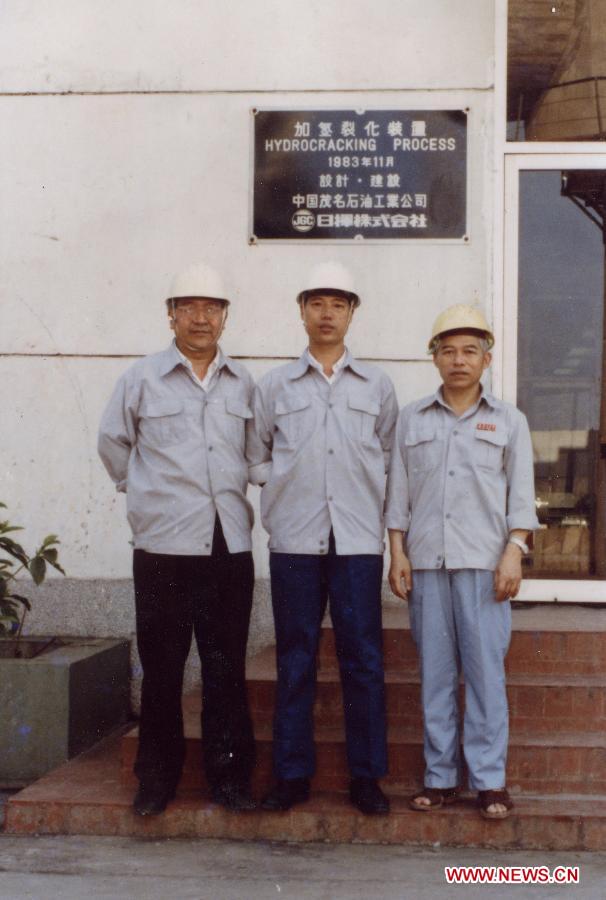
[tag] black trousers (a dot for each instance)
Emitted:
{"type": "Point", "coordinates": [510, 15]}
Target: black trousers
{"type": "Point", "coordinates": [211, 597]}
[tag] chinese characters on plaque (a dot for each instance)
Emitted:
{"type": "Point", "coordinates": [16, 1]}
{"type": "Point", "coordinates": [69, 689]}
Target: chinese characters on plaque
{"type": "Point", "coordinates": [352, 175]}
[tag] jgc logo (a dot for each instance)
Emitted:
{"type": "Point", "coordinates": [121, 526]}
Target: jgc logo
{"type": "Point", "coordinates": [303, 220]}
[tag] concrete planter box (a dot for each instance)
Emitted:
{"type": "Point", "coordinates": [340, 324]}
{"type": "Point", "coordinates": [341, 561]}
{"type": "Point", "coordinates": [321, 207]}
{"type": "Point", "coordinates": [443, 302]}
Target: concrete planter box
{"type": "Point", "coordinates": [56, 704]}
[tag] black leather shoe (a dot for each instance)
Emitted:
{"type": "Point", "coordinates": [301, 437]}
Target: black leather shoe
{"type": "Point", "coordinates": [152, 799]}
{"type": "Point", "coordinates": [233, 796]}
{"type": "Point", "coordinates": [286, 793]}
{"type": "Point", "coordinates": [368, 797]}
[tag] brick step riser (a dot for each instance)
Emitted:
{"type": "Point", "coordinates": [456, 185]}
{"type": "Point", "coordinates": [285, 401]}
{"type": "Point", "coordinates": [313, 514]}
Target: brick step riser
{"type": "Point", "coordinates": [532, 709]}
{"type": "Point", "coordinates": [530, 770]}
{"type": "Point", "coordinates": [540, 653]}
{"type": "Point", "coordinates": [336, 823]}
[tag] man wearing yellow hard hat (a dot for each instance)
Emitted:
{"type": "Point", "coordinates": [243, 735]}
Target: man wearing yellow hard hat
{"type": "Point", "coordinates": [460, 505]}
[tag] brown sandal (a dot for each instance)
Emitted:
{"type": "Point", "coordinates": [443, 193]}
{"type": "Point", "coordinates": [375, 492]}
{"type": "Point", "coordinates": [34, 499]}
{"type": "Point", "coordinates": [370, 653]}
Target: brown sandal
{"type": "Point", "coordinates": [489, 798]}
{"type": "Point", "coordinates": [437, 797]}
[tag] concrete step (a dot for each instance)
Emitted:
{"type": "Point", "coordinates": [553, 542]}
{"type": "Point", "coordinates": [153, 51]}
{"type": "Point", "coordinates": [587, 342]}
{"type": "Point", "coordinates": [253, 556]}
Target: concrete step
{"type": "Point", "coordinates": [88, 796]}
{"type": "Point", "coordinates": [537, 702]}
{"type": "Point", "coordinates": [550, 764]}
{"type": "Point", "coordinates": [557, 693]}
{"type": "Point", "coordinates": [549, 639]}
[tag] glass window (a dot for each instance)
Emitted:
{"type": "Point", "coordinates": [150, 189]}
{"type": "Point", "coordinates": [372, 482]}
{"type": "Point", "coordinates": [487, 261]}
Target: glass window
{"type": "Point", "coordinates": [560, 342]}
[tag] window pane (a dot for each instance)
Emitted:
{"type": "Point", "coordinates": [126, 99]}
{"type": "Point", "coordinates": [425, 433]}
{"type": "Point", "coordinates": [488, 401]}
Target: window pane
{"type": "Point", "coordinates": [560, 328]}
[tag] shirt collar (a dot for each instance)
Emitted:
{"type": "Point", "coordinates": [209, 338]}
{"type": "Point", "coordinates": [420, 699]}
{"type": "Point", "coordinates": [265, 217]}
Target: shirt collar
{"type": "Point", "coordinates": [172, 357]}
{"type": "Point", "coordinates": [301, 365]}
{"type": "Point", "coordinates": [318, 366]}
{"type": "Point", "coordinates": [485, 397]}
{"type": "Point", "coordinates": [212, 368]}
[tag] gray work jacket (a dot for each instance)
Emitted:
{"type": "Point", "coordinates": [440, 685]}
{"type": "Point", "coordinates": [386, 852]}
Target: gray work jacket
{"type": "Point", "coordinates": [179, 453]}
{"type": "Point", "coordinates": [458, 486]}
{"type": "Point", "coordinates": [322, 450]}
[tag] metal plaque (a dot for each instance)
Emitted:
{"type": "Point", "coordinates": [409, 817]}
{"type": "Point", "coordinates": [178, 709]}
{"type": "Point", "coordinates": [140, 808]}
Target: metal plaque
{"type": "Point", "coordinates": [359, 175]}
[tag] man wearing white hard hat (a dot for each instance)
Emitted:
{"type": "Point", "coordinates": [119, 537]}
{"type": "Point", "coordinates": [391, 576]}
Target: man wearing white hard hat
{"type": "Point", "coordinates": [323, 431]}
{"type": "Point", "coordinates": [460, 505]}
{"type": "Point", "coordinates": [173, 438]}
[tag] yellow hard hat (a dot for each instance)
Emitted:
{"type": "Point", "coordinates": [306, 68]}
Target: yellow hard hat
{"type": "Point", "coordinates": [460, 318]}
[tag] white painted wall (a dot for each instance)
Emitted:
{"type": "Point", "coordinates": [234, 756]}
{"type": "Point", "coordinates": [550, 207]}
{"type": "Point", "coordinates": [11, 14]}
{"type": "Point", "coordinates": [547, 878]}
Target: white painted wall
{"type": "Point", "coordinates": [244, 45]}
{"type": "Point", "coordinates": [110, 195]}
{"type": "Point", "coordinates": [105, 195]}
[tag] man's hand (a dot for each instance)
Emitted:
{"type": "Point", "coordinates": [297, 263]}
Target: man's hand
{"type": "Point", "coordinates": [508, 574]}
{"type": "Point", "coordinates": [400, 574]}
{"type": "Point", "coordinates": [400, 571]}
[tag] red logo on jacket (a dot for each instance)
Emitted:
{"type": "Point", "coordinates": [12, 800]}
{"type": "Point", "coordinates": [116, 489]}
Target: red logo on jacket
{"type": "Point", "coordinates": [486, 426]}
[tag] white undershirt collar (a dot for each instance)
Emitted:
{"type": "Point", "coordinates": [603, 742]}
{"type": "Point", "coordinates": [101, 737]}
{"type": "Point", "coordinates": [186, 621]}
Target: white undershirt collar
{"type": "Point", "coordinates": [204, 383]}
{"type": "Point", "coordinates": [336, 368]}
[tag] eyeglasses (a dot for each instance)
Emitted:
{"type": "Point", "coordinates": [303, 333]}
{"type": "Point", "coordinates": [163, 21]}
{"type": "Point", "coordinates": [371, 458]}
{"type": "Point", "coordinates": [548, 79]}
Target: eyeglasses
{"type": "Point", "coordinates": [192, 308]}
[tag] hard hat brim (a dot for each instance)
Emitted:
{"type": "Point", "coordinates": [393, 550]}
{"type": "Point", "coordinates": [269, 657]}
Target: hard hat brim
{"type": "Point", "coordinates": [352, 298]}
{"type": "Point", "coordinates": [476, 332]}
{"type": "Point", "coordinates": [222, 300]}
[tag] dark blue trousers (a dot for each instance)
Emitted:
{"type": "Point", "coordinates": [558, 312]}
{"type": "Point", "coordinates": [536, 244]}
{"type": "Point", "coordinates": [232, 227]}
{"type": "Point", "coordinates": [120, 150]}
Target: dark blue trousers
{"type": "Point", "coordinates": [300, 586]}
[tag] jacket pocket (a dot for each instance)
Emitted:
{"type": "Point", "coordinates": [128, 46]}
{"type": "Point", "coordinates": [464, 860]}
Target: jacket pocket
{"type": "Point", "coordinates": [236, 415]}
{"type": "Point", "coordinates": [163, 422]}
{"type": "Point", "coordinates": [423, 449]}
{"type": "Point", "coordinates": [291, 418]}
{"type": "Point", "coordinates": [489, 449]}
{"type": "Point", "coordinates": [362, 419]}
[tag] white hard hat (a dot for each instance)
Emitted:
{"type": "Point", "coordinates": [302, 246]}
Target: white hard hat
{"type": "Point", "coordinates": [329, 277]}
{"type": "Point", "coordinates": [460, 318]}
{"type": "Point", "coordinates": [198, 280]}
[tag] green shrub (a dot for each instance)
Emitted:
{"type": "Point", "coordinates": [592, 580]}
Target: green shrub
{"type": "Point", "coordinates": [14, 607]}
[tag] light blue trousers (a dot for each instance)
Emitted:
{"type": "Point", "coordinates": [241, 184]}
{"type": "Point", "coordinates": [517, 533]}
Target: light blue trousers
{"type": "Point", "coordinates": [457, 624]}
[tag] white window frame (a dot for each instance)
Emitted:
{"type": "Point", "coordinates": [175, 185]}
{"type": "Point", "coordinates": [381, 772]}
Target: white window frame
{"type": "Point", "coordinates": [510, 159]}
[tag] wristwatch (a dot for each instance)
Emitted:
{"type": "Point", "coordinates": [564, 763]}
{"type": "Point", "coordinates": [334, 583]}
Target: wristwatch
{"type": "Point", "coordinates": [519, 543]}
